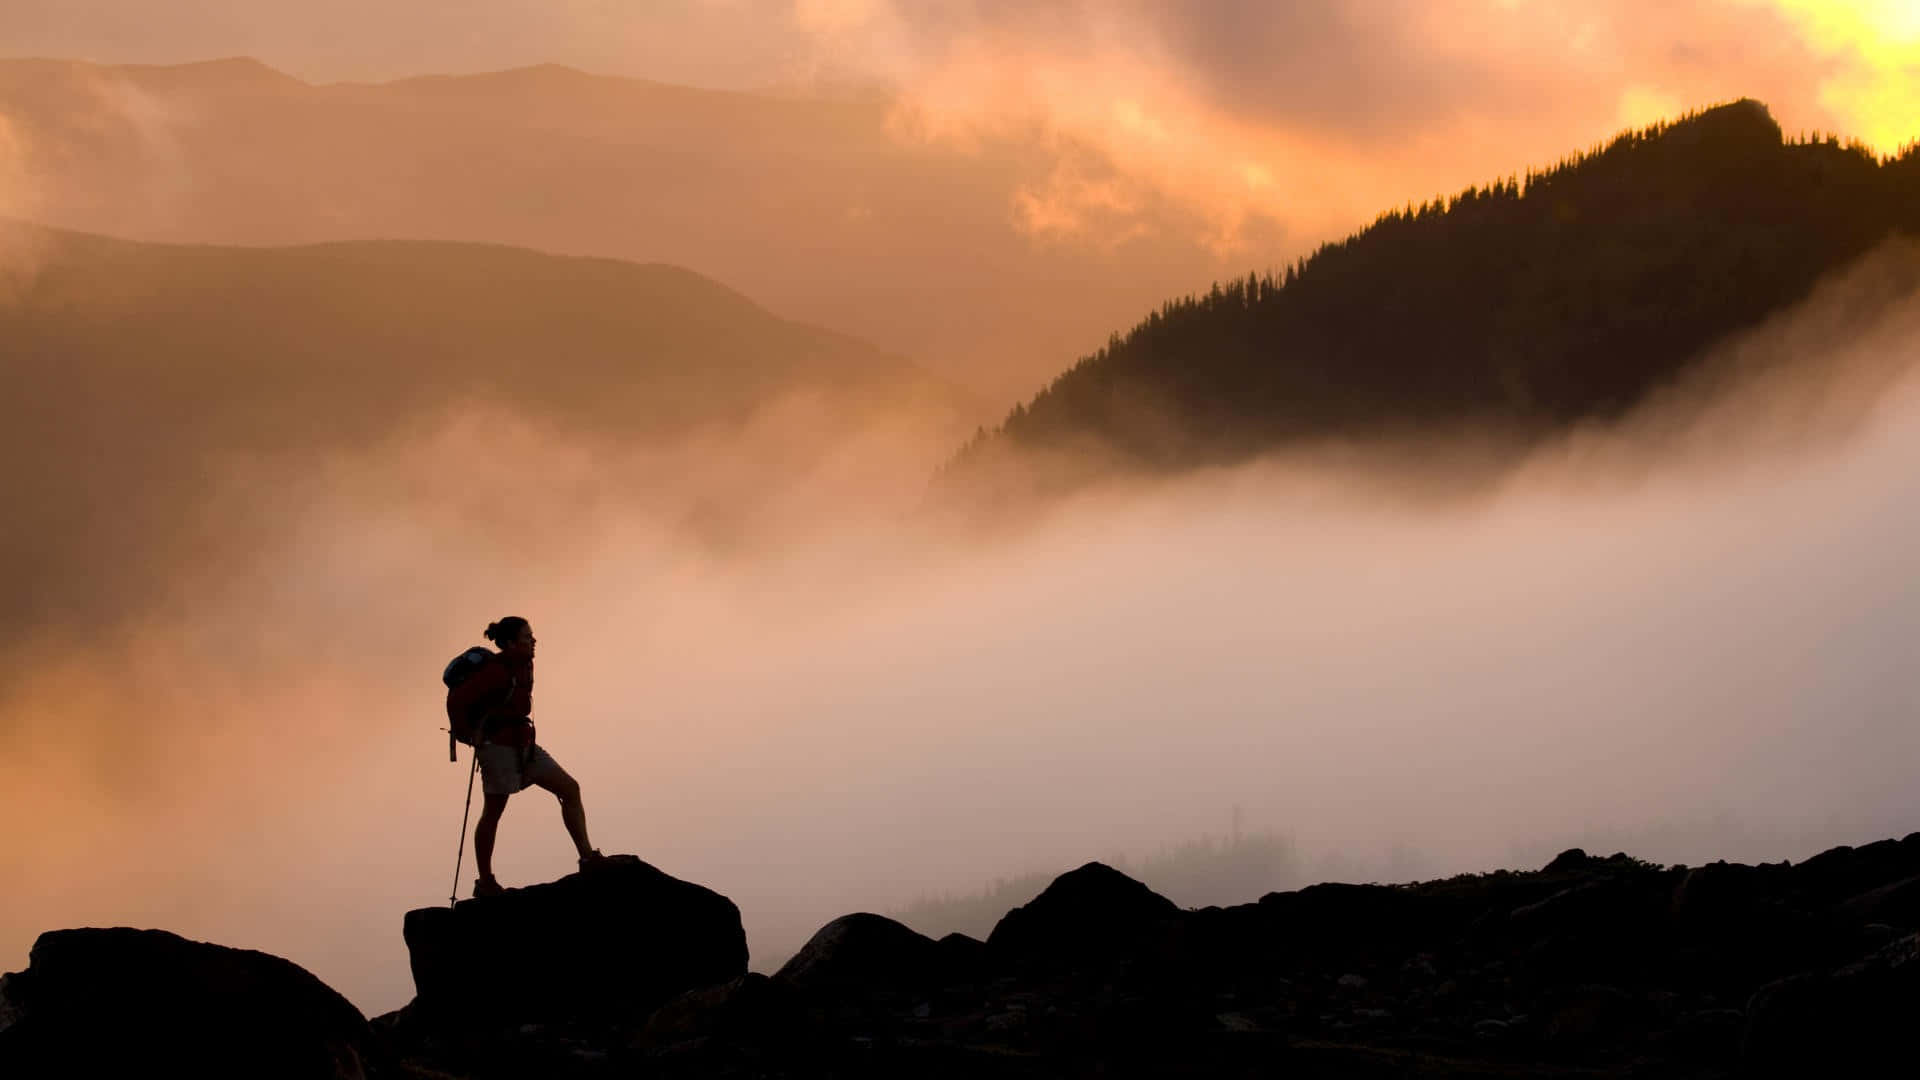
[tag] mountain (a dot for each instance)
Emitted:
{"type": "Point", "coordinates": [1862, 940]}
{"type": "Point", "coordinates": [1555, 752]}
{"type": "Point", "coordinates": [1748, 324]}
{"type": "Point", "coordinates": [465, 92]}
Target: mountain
{"type": "Point", "coordinates": [1522, 308]}
{"type": "Point", "coordinates": [143, 376]}
{"type": "Point", "coordinates": [822, 208]}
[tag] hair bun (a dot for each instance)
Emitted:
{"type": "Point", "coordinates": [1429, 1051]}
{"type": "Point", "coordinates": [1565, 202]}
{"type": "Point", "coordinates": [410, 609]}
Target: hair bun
{"type": "Point", "coordinates": [507, 629]}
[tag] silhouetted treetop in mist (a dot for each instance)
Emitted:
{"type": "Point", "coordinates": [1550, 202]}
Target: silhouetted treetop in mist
{"type": "Point", "coordinates": [1526, 305]}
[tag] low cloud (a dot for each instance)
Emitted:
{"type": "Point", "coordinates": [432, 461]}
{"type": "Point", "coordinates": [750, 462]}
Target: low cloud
{"type": "Point", "coordinates": [1688, 637]}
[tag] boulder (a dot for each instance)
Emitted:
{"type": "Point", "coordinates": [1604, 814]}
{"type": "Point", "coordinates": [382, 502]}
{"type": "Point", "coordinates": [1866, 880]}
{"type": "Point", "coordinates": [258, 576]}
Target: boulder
{"type": "Point", "coordinates": [1848, 1022]}
{"type": "Point", "coordinates": [1572, 859]}
{"type": "Point", "coordinates": [1584, 1016]}
{"type": "Point", "coordinates": [1094, 914]}
{"type": "Point", "coordinates": [613, 942]}
{"type": "Point", "coordinates": [862, 951]}
{"type": "Point", "coordinates": [1719, 893]}
{"type": "Point", "coordinates": [121, 1001]}
{"type": "Point", "coordinates": [962, 957]}
{"type": "Point", "coordinates": [749, 1009]}
{"type": "Point", "coordinates": [1842, 872]}
{"type": "Point", "coordinates": [1573, 906]}
{"type": "Point", "coordinates": [1895, 904]}
{"type": "Point", "coordinates": [1336, 918]}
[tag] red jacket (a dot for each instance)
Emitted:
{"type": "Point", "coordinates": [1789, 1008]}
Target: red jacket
{"type": "Point", "coordinates": [501, 691]}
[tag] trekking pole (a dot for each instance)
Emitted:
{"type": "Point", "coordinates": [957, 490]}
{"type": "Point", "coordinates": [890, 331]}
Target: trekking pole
{"type": "Point", "coordinates": [453, 897]}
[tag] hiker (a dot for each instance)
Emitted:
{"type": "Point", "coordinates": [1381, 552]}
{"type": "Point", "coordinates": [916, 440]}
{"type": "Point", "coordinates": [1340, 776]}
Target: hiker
{"type": "Point", "coordinates": [494, 705]}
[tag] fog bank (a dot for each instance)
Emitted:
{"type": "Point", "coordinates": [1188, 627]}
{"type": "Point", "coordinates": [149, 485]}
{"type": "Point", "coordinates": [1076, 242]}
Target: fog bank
{"type": "Point", "coordinates": [1690, 637]}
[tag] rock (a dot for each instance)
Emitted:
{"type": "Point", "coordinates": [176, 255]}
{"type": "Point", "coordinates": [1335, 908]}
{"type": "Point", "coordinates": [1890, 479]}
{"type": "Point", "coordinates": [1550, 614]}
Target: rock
{"type": "Point", "coordinates": [102, 1002]}
{"type": "Point", "coordinates": [962, 958]}
{"type": "Point", "coordinates": [1596, 913]}
{"type": "Point", "coordinates": [1897, 904]}
{"type": "Point", "coordinates": [1007, 1023]}
{"type": "Point", "coordinates": [1419, 969]}
{"type": "Point", "coordinates": [1585, 1015]}
{"type": "Point", "coordinates": [1233, 1021]}
{"type": "Point", "coordinates": [749, 1009]}
{"type": "Point", "coordinates": [618, 940]}
{"type": "Point", "coordinates": [1093, 914]}
{"type": "Point", "coordinates": [1842, 872]}
{"type": "Point", "coordinates": [862, 951]}
{"type": "Point", "coordinates": [1571, 905]}
{"type": "Point", "coordinates": [1716, 891]}
{"type": "Point", "coordinates": [1709, 1034]}
{"type": "Point", "coordinates": [1845, 1022]}
{"type": "Point", "coordinates": [1876, 936]}
{"type": "Point", "coordinates": [1568, 860]}
{"type": "Point", "coordinates": [1335, 919]}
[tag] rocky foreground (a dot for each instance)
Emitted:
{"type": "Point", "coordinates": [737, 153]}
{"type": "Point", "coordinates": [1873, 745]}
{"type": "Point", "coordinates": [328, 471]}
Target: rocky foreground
{"type": "Point", "coordinates": [1588, 967]}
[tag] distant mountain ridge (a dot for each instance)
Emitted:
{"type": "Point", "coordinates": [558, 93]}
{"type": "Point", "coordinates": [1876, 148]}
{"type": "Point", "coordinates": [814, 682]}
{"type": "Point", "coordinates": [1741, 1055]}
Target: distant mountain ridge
{"type": "Point", "coordinates": [815, 205]}
{"type": "Point", "coordinates": [1518, 307]}
{"type": "Point", "coordinates": [642, 349]}
{"type": "Point", "coordinates": [134, 368]}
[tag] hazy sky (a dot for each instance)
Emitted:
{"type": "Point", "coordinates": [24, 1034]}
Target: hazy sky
{"type": "Point", "coordinates": [1040, 175]}
{"type": "Point", "coordinates": [1237, 106]}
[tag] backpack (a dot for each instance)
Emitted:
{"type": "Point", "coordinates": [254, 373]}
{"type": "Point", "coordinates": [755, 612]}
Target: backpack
{"type": "Point", "coordinates": [464, 725]}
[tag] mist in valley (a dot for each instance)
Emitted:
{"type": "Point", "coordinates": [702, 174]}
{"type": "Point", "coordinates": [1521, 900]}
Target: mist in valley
{"type": "Point", "coordinates": [1688, 636]}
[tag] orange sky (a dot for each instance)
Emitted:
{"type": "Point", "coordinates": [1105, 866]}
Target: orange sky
{"type": "Point", "coordinates": [1315, 116]}
{"type": "Point", "coordinates": [1127, 151]}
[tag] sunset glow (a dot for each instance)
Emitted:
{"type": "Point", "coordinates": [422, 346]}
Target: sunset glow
{"type": "Point", "coordinates": [941, 443]}
{"type": "Point", "coordinates": [1874, 47]}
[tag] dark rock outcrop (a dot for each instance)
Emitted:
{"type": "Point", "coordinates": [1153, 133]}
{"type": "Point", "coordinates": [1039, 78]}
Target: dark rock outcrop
{"type": "Point", "coordinates": [1090, 915]}
{"type": "Point", "coordinates": [747, 1007]}
{"type": "Point", "coordinates": [1570, 859]}
{"type": "Point", "coordinates": [862, 950]}
{"type": "Point", "coordinates": [616, 942]}
{"type": "Point", "coordinates": [1852, 1021]}
{"type": "Point", "coordinates": [1894, 904]}
{"type": "Point", "coordinates": [120, 1001]}
{"type": "Point", "coordinates": [1590, 967]}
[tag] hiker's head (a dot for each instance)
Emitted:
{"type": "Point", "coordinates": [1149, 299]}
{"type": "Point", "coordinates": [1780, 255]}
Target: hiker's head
{"type": "Point", "coordinates": [513, 635]}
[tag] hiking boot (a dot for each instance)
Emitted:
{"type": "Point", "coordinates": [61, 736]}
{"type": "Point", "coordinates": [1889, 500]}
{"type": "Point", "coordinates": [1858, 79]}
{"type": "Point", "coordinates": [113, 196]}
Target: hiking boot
{"type": "Point", "coordinates": [592, 860]}
{"type": "Point", "coordinates": [486, 886]}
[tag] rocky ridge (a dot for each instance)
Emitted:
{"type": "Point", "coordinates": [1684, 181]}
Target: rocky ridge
{"type": "Point", "coordinates": [1589, 966]}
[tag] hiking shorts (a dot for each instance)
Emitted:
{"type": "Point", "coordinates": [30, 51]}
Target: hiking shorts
{"type": "Point", "coordinates": [504, 770]}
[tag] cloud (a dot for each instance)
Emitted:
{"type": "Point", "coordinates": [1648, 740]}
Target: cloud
{"type": "Point", "coordinates": [1694, 634]}
{"type": "Point", "coordinates": [20, 251]}
{"type": "Point", "coordinates": [14, 192]}
{"type": "Point", "coordinates": [1278, 125]}
{"type": "Point", "coordinates": [1872, 48]}
{"type": "Point", "coordinates": [1313, 117]}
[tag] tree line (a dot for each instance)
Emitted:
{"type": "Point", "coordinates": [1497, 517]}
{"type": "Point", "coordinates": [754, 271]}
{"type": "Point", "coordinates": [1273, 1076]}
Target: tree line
{"type": "Point", "coordinates": [1527, 304]}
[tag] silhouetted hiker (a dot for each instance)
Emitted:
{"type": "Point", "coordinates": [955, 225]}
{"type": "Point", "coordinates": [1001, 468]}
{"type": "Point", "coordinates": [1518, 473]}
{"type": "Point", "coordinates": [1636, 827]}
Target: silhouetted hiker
{"type": "Point", "coordinates": [492, 708]}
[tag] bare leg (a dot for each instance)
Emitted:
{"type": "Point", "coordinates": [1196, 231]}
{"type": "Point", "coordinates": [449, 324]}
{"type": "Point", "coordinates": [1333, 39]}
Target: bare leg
{"type": "Point", "coordinates": [483, 833]}
{"type": "Point", "coordinates": [573, 812]}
